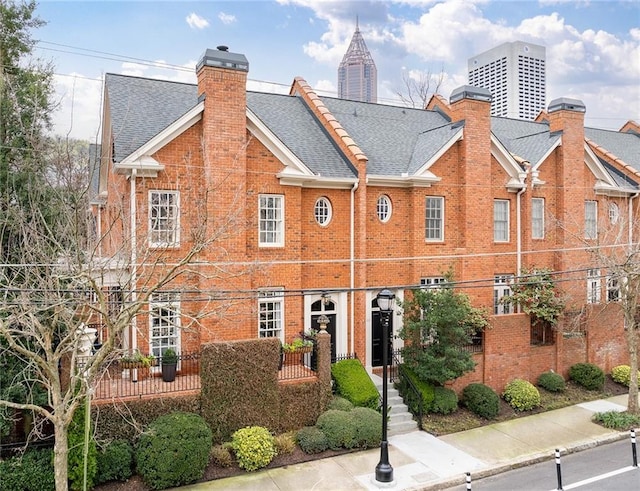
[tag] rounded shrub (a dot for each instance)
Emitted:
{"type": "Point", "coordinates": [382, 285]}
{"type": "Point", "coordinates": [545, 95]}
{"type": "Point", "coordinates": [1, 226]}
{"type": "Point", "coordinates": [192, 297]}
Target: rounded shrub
{"type": "Point", "coordinates": [32, 471]}
{"type": "Point", "coordinates": [445, 401]}
{"type": "Point", "coordinates": [622, 374]}
{"type": "Point", "coordinates": [340, 403]}
{"type": "Point", "coordinates": [221, 455]}
{"type": "Point", "coordinates": [338, 427]}
{"type": "Point", "coordinates": [481, 400]}
{"type": "Point", "coordinates": [551, 381]}
{"type": "Point", "coordinates": [254, 447]}
{"type": "Point", "coordinates": [590, 376]}
{"type": "Point", "coordinates": [312, 440]}
{"type": "Point", "coordinates": [521, 395]}
{"type": "Point", "coordinates": [115, 462]}
{"type": "Point", "coordinates": [368, 427]}
{"type": "Point", "coordinates": [174, 450]}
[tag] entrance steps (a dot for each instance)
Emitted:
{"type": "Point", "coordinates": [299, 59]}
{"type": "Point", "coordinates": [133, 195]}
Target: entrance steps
{"type": "Point", "coordinates": [400, 418]}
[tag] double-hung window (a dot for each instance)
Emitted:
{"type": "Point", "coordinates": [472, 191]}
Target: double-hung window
{"type": "Point", "coordinates": [164, 319]}
{"type": "Point", "coordinates": [593, 286]}
{"type": "Point", "coordinates": [501, 289]}
{"type": "Point", "coordinates": [164, 218]}
{"type": "Point", "coordinates": [613, 289]}
{"type": "Point", "coordinates": [434, 219]}
{"type": "Point", "coordinates": [435, 282]}
{"type": "Point", "coordinates": [271, 220]}
{"type": "Point", "coordinates": [271, 314]}
{"type": "Point", "coordinates": [590, 219]}
{"type": "Point", "coordinates": [501, 220]}
{"type": "Point", "coordinates": [537, 218]}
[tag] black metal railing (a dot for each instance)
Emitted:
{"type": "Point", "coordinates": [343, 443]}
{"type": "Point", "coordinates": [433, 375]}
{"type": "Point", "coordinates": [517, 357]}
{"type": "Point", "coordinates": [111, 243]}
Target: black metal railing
{"type": "Point", "coordinates": [299, 364]}
{"type": "Point", "coordinates": [411, 395]}
{"type": "Point", "coordinates": [123, 380]}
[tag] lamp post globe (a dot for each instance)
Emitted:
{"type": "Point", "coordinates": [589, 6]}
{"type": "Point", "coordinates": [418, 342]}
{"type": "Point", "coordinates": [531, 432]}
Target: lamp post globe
{"type": "Point", "coordinates": [384, 470]}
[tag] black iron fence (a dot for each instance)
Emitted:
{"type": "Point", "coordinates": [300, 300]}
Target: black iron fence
{"type": "Point", "coordinates": [299, 364]}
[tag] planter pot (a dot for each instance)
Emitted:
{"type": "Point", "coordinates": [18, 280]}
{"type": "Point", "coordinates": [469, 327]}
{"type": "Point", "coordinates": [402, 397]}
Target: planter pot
{"type": "Point", "coordinates": [169, 372]}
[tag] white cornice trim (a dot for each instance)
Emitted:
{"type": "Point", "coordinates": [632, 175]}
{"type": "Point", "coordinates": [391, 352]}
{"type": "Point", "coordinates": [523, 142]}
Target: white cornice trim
{"type": "Point", "coordinates": [427, 179]}
{"type": "Point", "coordinates": [141, 158]}
{"type": "Point", "coordinates": [315, 181]}
{"type": "Point", "coordinates": [603, 178]}
{"type": "Point", "coordinates": [510, 165]}
{"type": "Point", "coordinates": [557, 144]}
{"type": "Point", "coordinates": [457, 136]}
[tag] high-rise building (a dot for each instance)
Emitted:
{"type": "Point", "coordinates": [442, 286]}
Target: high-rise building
{"type": "Point", "coordinates": [357, 73]}
{"type": "Point", "coordinates": [515, 74]}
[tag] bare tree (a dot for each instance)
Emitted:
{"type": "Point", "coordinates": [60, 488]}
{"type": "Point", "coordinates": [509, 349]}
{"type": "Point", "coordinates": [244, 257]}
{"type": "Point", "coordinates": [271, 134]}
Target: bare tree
{"type": "Point", "coordinates": [419, 86]}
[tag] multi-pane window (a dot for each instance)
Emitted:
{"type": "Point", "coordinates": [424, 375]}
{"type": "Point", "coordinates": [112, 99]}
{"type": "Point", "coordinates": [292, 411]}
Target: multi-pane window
{"type": "Point", "coordinates": [537, 218]}
{"type": "Point", "coordinates": [271, 220]}
{"type": "Point", "coordinates": [593, 286]}
{"type": "Point", "coordinates": [271, 314]}
{"type": "Point", "coordinates": [590, 219]}
{"type": "Point", "coordinates": [501, 220]}
{"type": "Point", "coordinates": [613, 289]}
{"type": "Point", "coordinates": [383, 208]}
{"type": "Point", "coordinates": [614, 213]}
{"type": "Point", "coordinates": [434, 219]}
{"type": "Point", "coordinates": [501, 289]}
{"type": "Point", "coordinates": [164, 319]}
{"type": "Point", "coordinates": [432, 282]}
{"type": "Point", "coordinates": [164, 214]}
{"type": "Point", "coordinates": [322, 211]}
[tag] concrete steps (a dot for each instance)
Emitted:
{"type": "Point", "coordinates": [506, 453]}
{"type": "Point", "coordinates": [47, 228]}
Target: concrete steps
{"type": "Point", "coordinates": [400, 418]}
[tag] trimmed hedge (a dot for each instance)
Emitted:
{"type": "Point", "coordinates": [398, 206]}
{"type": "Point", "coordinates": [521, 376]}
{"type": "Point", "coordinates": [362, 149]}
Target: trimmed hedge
{"type": "Point", "coordinates": [33, 471]}
{"type": "Point", "coordinates": [340, 403]}
{"type": "Point", "coordinates": [551, 381]}
{"type": "Point", "coordinates": [75, 457]}
{"type": "Point", "coordinates": [174, 450]}
{"type": "Point", "coordinates": [427, 391]}
{"type": "Point", "coordinates": [311, 439]}
{"type": "Point", "coordinates": [521, 395]}
{"type": "Point", "coordinates": [481, 400]}
{"type": "Point", "coordinates": [339, 429]}
{"type": "Point", "coordinates": [445, 401]}
{"type": "Point", "coordinates": [590, 376]}
{"type": "Point", "coordinates": [115, 462]}
{"type": "Point", "coordinates": [368, 427]}
{"type": "Point", "coordinates": [354, 384]}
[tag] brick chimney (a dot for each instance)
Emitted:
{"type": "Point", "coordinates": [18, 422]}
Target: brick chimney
{"type": "Point", "coordinates": [222, 82]}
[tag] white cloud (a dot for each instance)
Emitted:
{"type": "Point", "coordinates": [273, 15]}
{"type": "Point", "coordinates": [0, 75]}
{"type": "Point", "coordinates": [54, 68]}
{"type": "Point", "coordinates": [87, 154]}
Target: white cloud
{"type": "Point", "coordinates": [196, 22]}
{"type": "Point", "coordinates": [78, 112]}
{"type": "Point", "coordinates": [226, 18]}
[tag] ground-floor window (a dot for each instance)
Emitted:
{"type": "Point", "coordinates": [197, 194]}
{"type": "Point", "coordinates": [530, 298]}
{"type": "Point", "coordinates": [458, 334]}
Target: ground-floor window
{"type": "Point", "coordinates": [271, 314]}
{"type": "Point", "coordinates": [164, 316]}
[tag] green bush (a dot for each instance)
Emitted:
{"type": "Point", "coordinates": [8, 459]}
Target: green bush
{"type": "Point", "coordinates": [551, 381]}
{"type": "Point", "coordinates": [254, 447]}
{"type": "Point", "coordinates": [353, 383]}
{"type": "Point", "coordinates": [622, 374]}
{"type": "Point", "coordinates": [75, 457]}
{"type": "Point", "coordinates": [445, 401]}
{"type": "Point", "coordinates": [521, 395]}
{"type": "Point", "coordinates": [426, 390]}
{"type": "Point", "coordinates": [481, 400]}
{"type": "Point", "coordinates": [368, 427]}
{"type": "Point", "coordinates": [115, 462]}
{"type": "Point", "coordinates": [312, 440]}
{"type": "Point", "coordinates": [590, 376]}
{"type": "Point", "coordinates": [339, 429]}
{"type": "Point", "coordinates": [33, 471]}
{"type": "Point", "coordinates": [617, 420]}
{"type": "Point", "coordinates": [174, 450]}
{"type": "Point", "coordinates": [340, 403]}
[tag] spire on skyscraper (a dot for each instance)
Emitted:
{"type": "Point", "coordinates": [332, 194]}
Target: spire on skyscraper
{"type": "Point", "coordinates": [357, 73]}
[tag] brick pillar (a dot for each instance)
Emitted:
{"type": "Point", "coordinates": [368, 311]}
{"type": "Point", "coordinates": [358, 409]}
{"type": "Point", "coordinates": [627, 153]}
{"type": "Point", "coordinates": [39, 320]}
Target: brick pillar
{"type": "Point", "coordinates": [324, 364]}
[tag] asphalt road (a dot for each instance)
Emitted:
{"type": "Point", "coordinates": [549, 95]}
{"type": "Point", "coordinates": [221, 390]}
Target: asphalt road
{"type": "Point", "coordinates": [603, 468]}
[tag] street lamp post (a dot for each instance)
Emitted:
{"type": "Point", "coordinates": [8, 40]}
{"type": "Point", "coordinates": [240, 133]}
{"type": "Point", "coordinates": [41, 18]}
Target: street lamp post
{"type": "Point", "coordinates": [384, 471]}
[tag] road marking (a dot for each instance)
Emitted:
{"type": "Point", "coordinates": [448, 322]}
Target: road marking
{"type": "Point", "coordinates": [600, 477]}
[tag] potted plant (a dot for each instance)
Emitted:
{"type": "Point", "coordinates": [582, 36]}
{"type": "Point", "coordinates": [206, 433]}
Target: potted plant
{"type": "Point", "coordinates": [169, 365]}
{"type": "Point", "coordinates": [293, 352]}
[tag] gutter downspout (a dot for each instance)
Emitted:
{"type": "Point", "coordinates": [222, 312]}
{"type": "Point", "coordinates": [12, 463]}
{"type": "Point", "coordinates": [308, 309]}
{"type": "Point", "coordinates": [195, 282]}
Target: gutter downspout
{"type": "Point", "coordinates": [519, 194]}
{"type": "Point", "coordinates": [630, 219]}
{"type": "Point", "coordinates": [352, 272]}
{"type": "Point", "coordinates": [134, 255]}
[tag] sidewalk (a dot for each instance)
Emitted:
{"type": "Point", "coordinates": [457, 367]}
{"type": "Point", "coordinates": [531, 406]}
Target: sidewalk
{"type": "Point", "coordinates": [424, 462]}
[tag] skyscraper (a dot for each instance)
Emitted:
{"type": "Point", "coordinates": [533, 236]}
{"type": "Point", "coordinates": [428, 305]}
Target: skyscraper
{"type": "Point", "coordinates": [515, 74]}
{"type": "Point", "coordinates": [357, 73]}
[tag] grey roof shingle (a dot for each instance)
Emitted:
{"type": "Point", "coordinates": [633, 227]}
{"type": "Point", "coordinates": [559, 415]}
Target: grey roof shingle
{"type": "Point", "coordinates": [625, 146]}
{"type": "Point", "coordinates": [526, 139]}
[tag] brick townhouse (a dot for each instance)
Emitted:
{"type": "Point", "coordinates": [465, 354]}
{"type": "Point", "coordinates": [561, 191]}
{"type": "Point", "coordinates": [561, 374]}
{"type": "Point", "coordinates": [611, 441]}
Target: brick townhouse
{"type": "Point", "coordinates": [318, 203]}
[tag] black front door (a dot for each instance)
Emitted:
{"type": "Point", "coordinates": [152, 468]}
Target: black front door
{"type": "Point", "coordinates": [328, 308]}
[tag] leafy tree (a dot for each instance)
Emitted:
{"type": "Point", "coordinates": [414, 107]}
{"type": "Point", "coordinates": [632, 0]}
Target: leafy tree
{"type": "Point", "coordinates": [536, 293]}
{"type": "Point", "coordinates": [439, 322]}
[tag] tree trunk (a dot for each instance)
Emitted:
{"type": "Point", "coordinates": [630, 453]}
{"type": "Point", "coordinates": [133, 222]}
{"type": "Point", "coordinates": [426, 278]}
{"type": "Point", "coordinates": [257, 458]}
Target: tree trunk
{"type": "Point", "coordinates": [60, 456]}
{"type": "Point", "coordinates": [632, 343]}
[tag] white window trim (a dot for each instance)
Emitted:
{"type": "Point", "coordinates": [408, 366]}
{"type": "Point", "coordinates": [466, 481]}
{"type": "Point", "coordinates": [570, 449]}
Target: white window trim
{"type": "Point", "coordinates": [502, 288]}
{"type": "Point", "coordinates": [613, 288]}
{"type": "Point", "coordinates": [384, 213]}
{"type": "Point", "coordinates": [280, 228]}
{"type": "Point", "coordinates": [590, 221]}
{"type": "Point", "coordinates": [432, 282]}
{"type": "Point", "coordinates": [276, 296]}
{"type": "Point", "coordinates": [594, 288]}
{"type": "Point", "coordinates": [176, 236]}
{"type": "Point", "coordinates": [537, 223]}
{"type": "Point", "coordinates": [325, 206]}
{"type": "Point", "coordinates": [506, 203]}
{"type": "Point", "coordinates": [441, 219]}
{"type": "Point", "coordinates": [168, 301]}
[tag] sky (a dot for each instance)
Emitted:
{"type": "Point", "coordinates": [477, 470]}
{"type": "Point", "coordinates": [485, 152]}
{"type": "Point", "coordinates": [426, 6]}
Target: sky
{"type": "Point", "coordinates": [592, 47]}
